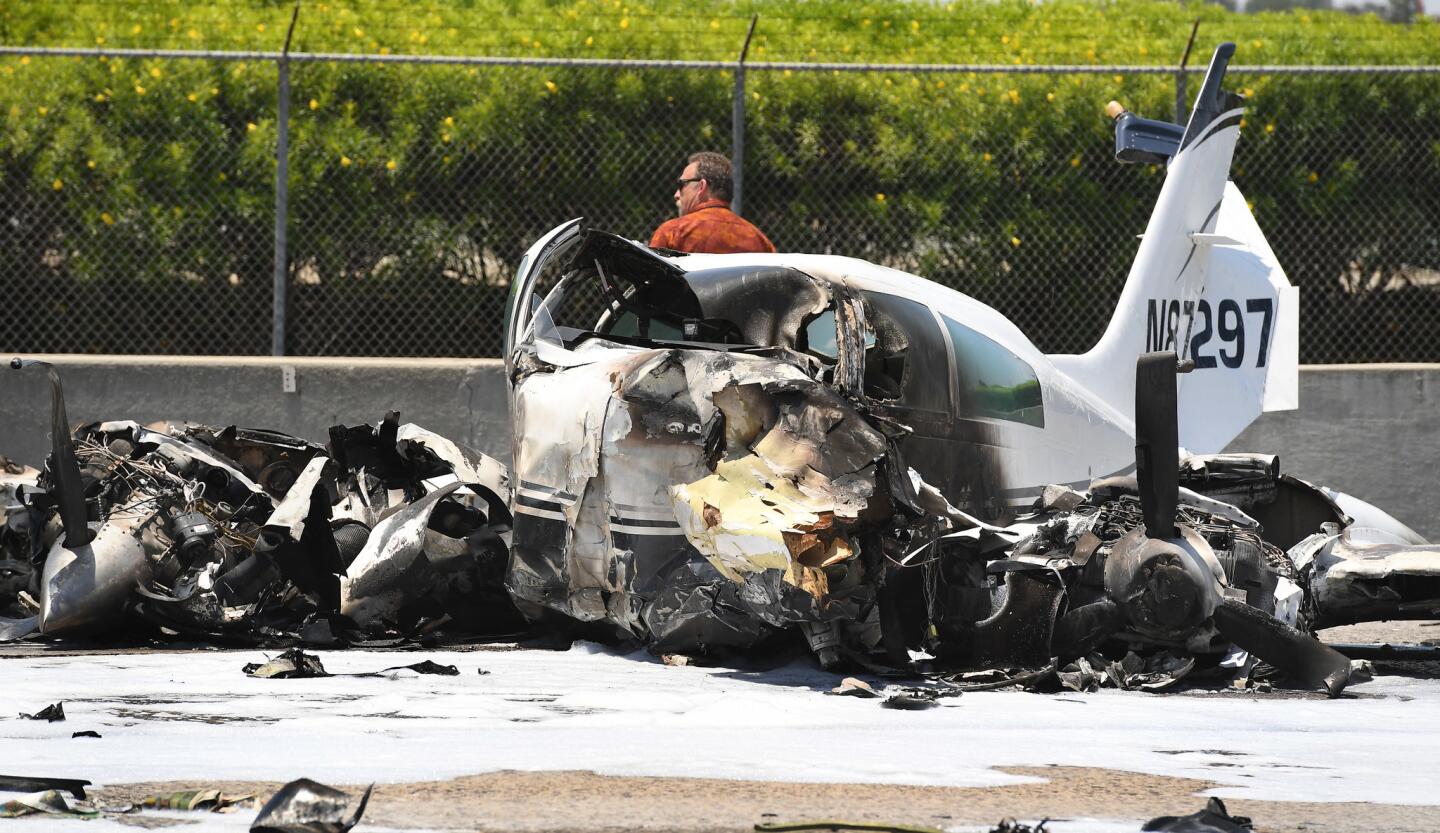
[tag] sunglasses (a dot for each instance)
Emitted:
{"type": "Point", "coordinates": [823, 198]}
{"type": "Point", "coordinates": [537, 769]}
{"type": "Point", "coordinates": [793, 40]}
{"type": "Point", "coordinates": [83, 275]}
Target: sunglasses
{"type": "Point", "coordinates": [681, 183]}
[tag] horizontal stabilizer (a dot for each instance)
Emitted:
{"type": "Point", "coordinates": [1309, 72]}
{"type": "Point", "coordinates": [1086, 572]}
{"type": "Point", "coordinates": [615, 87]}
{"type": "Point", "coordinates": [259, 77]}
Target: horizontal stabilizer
{"type": "Point", "coordinates": [1203, 239]}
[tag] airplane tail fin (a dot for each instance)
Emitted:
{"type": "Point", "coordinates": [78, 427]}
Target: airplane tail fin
{"type": "Point", "coordinates": [1204, 283]}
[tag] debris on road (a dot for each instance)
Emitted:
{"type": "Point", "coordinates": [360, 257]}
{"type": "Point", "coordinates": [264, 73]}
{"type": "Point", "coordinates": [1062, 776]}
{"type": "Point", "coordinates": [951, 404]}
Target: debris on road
{"type": "Point", "coordinates": [1213, 818]}
{"type": "Point", "coordinates": [213, 801]}
{"type": "Point", "coordinates": [257, 537]}
{"type": "Point", "coordinates": [305, 806]}
{"type": "Point", "coordinates": [296, 664]}
{"type": "Point", "coordinates": [49, 802]}
{"type": "Point", "coordinates": [25, 783]}
{"type": "Point", "coordinates": [55, 713]}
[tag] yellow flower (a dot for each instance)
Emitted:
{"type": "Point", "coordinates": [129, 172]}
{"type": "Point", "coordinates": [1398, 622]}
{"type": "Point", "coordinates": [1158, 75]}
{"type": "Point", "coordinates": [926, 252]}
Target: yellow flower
{"type": "Point", "coordinates": [344, 161]}
{"type": "Point", "coordinates": [1014, 96]}
{"type": "Point", "coordinates": [314, 105]}
{"type": "Point", "coordinates": [1049, 96]}
{"type": "Point", "coordinates": [987, 157]}
{"type": "Point", "coordinates": [624, 23]}
{"type": "Point", "coordinates": [714, 24]}
{"type": "Point", "coordinates": [1247, 92]}
{"type": "Point", "coordinates": [1004, 38]}
{"type": "Point", "coordinates": [390, 165]}
{"type": "Point", "coordinates": [25, 60]}
{"type": "Point", "coordinates": [590, 41]}
{"type": "Point", "coordinates": [879, 198]}
{"type": "Point", "coordinates": [106, 218]}
{"type": "Point", "coordinates": [550, 85]}
{"type": "Point", "coordinates": [1313, 177]}
{"type": "Point", "coordinates": [259, 27]}
{"type": "Point", "coordinates": [90, 163]}
{"type": "Point", "coordinates": [1270, 128]}
{"type": "Point", "coordinates": [445, 138]}
{"type": "Point", "coordinates": [192, 98]}
{"type": "Point", "coordinates": [359, 33]}
{"type": "Point", "coordinates": [57, 185]}
{"type": "Point", "coordinates": [139, 90]}
{"type": "Point", "coordinates": [1075, 161]}
{"type": "Point", "coordinates": [192, 34]}
{"type": "Point", "coordinates": [220, 177]}
{"type": "Point", "coordinates": [914, 25]}
{"type": "Point", "coordinates": [44, 111]}
{"type": "Point", "coordinates": [100, 41]}
{"type": "Point", "coordinates": [1015, 241]}
{"type": "Point", "coordinates": [154, 72]}
{"type": "Point", "coordinates": [250, 127]}
{"type": "Point", "coordinates": [1119, 79]}
{"type": "Point", "coordinates": [449, 121]}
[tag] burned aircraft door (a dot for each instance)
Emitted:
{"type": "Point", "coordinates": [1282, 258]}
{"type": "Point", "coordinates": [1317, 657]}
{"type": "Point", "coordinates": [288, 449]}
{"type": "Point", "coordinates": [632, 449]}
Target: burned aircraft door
{"type": "Point", "coordinates": [909, 377]}
{"type": "Point", "coordinates": [519, 307]}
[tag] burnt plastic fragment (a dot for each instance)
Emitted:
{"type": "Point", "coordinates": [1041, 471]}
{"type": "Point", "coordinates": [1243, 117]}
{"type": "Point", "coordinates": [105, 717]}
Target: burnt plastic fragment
{"type": "Point", "coordinates": [55, 713]}
{"type": "Point", "coordinates": [910, 701]}
{"type": "Point", "coordinates": [306, 806]}
{"type": "Point", "coordinates": [1213, 819]}
{"type": "Point", "coordinates": [294, 664]}
{"type": "Point", "coordinates": [426, 667]}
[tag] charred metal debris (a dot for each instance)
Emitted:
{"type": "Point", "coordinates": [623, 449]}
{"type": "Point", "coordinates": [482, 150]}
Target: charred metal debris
{"type": "Point", "coordinates": [703, 501]}
{"type": "Point", "coordinates": [256, 537]}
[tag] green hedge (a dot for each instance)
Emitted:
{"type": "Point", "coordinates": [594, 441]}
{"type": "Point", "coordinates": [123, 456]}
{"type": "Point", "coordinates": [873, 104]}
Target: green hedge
{"type": "Point", "coordinates": [415, 188]}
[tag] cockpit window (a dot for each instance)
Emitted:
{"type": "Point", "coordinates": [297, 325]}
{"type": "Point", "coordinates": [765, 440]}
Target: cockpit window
{"type": "Point", "coordinates": [998, 383]}
{"type": "Point", "coordinates": [819, 336]}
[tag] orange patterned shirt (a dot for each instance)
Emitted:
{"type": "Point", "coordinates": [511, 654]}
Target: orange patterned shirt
{"type": "Point", "coordinates": [711, 228]}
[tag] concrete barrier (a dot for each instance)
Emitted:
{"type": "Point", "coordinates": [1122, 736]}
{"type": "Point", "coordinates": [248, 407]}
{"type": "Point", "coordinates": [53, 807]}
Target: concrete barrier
{"type": "Point", "coordinates": [1370, 430]}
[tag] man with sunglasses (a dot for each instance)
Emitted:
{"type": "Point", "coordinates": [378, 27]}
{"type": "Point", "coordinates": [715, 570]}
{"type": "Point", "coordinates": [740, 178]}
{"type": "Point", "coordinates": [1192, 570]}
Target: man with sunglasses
{"type": "Point", "coordinates": [706, 223]}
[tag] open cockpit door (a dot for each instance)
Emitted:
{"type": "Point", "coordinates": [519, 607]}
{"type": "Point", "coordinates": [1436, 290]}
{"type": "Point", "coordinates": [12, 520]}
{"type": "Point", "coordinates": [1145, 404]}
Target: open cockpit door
{"type": "Point", "coordinates": [579, 283]}
{"type": "Point", "coordinates": [520, 308]}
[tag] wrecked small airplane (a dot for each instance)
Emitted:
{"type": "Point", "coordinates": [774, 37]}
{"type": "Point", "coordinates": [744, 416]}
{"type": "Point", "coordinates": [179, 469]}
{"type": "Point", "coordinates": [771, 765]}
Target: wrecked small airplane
{"type": "Point", "coordinates": [713, 452]}
{"type": "Point", "coordinates": [711, 448]}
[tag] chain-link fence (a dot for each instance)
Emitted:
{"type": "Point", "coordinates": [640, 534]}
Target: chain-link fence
{"type": "Point", "coordinates": [145, 219]}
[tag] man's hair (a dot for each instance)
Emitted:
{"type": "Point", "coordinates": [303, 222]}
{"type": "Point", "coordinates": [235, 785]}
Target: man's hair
{"type": "Point", "coordinates": [714, 168]}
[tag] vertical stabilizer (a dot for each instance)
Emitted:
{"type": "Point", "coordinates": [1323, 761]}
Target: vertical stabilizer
{"type": "Point", "coordinates": [1204, 283]}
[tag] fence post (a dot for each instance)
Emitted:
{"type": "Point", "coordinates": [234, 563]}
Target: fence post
{"type": "Point", "coordinates": [282, 193]}
{"type": "Point", "coordinates": [737, 125]}
{"type": "Point", "coordinates": [282, 176]}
